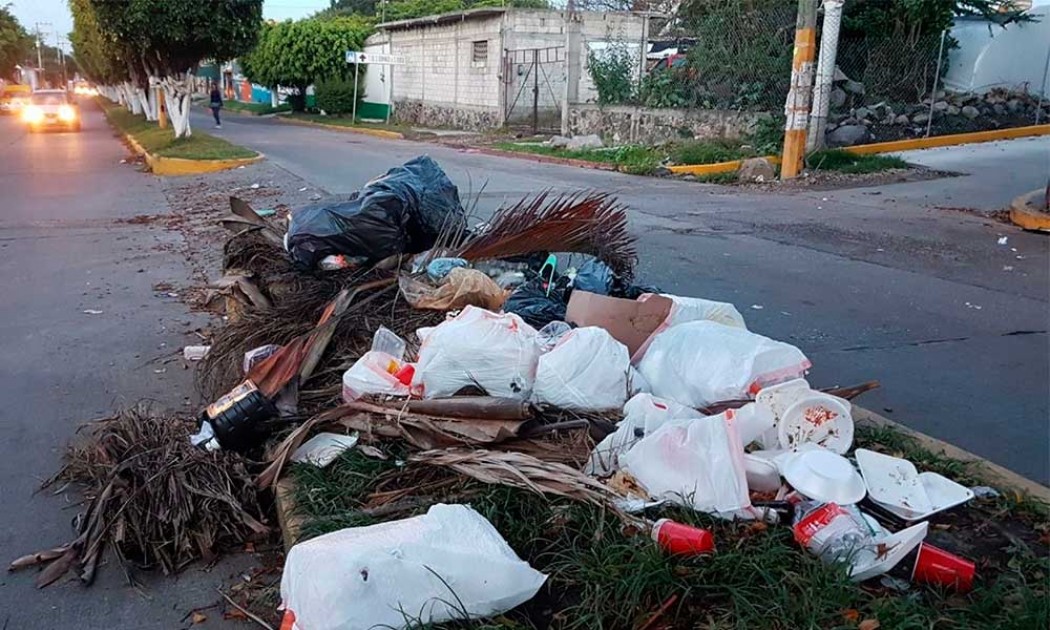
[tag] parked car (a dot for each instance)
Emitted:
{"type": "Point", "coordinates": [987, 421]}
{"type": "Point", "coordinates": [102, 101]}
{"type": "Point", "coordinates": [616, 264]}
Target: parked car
{"type": "Point", "coordinates": [13, 97]}
{"type": "Point", "coordinates": [50, 109]}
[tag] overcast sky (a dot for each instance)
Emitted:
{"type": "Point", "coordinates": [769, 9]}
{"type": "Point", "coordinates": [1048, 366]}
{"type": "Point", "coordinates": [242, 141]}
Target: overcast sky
{"type": "Point", "coordinates": [55, 17]}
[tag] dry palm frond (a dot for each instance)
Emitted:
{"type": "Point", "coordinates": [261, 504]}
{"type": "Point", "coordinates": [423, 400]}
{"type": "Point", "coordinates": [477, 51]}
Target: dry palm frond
{"type": "Point", "coordinates": [593, 223]}
{"type": "Point", "coordinates": [159, 500]}
{"type": "Point", "coordinates": [520, 471]}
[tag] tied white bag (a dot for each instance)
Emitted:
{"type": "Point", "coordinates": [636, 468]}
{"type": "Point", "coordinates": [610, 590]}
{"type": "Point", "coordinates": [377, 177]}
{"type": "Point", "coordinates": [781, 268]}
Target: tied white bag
{"type": "Point", "coordinates": [701, 363]}
{"type": "Point", "coordinates": [496, 351]}
{"type": "Point", "coordinates": [370, 375]}
{"type": "Point", "coordinates": [642, 415]}
{"type": "Point", "coordinates": [587, 370]}
{"type": "Point", "coordinates": [697, 463]}
{"type": "Point", "coordinates": [432, 567]}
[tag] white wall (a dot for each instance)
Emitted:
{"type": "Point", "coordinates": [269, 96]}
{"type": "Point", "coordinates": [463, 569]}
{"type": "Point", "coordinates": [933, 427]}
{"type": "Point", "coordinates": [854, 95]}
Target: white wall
{"type": "Point", "coordinates": [991, 56]}
{"type": "Point", "coordinates": [377, 78]}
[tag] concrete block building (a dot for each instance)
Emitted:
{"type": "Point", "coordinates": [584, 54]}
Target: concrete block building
{"type": "Point", "coordinates": [488, 67]}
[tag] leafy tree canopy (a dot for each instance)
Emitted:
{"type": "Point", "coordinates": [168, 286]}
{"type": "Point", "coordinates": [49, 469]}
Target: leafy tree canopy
{"type": "Point", "coordinates": [15, 43]}
{"type": "Point", "coordinates": [297, 54]}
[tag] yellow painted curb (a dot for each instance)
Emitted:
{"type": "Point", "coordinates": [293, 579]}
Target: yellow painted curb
{"type": "Point", "coordinates": [950, 140]}
{"type": "Point", "coordinates": [181, 166]}
{"type": "Point", "coordinates": [378, 133]}
{"type": "Point", "coordinates": [1022, 216]}
{"type": "Point", "coordinates": [886, 147]}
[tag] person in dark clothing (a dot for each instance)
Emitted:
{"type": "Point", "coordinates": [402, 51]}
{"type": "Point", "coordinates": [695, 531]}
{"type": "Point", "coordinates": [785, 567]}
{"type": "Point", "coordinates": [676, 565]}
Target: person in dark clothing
{"type": "Point", "coordinates": [216, 104]}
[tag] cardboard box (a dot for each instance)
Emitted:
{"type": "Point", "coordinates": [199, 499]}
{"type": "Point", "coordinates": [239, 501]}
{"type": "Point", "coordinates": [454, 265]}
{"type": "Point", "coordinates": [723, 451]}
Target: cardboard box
{"type": "Point", "coordinates": [628, 321]}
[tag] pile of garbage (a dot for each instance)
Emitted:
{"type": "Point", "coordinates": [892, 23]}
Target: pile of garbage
{"type": "Point", "coordinates": [520, 352]}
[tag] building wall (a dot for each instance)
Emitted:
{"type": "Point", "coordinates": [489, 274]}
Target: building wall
{"type": "Point", "coordinates": [442, 85]}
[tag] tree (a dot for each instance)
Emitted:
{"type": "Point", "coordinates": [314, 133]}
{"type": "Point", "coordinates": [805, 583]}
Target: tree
{"type": "Point", "coordinates": [298, 54]}
{"type": "Point", "coordinates": [15, 43]}
{"type": "Point", "coordinates": [172, 38]}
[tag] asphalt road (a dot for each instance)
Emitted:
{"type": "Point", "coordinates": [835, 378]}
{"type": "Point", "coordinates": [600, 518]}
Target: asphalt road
{"type": "Point", "coordinates": [874, 283]}
{"type": "Point", "coordinates": [63, 252]}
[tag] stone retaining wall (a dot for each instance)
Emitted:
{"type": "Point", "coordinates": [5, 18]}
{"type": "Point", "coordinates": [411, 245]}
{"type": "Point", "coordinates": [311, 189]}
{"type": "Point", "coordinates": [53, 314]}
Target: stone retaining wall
{"type": "Point", "coordinates": [642, 125]}
{"type": "Point", "coordinates": [441, 116]}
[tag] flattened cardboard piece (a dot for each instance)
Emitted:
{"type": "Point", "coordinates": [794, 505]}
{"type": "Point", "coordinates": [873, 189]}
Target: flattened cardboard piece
{"type": "Point", "coordinates": [628, 321]}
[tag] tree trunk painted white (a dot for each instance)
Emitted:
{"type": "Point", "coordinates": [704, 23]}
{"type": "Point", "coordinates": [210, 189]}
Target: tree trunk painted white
{"type": "Point", "coordinates": [131, 97]}
{"type": "Point", "coordinates": [148, 103]}
{"type": "Point", "coordinates": [177, 91]}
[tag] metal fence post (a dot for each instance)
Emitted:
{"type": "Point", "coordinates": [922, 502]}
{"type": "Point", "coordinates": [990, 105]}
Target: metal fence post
{"type": "Point", "coordinates": [829, 44]}
{"type": "Point", "coordinates": [1042, 92]}
{"type": "Point", "coordinates": [800, 94]}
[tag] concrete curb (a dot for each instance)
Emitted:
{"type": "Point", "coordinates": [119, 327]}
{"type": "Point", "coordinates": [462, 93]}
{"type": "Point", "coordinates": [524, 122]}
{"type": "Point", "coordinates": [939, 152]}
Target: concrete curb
{"type": "Point", "coordinates": [535, 157]}
{"type": "Point", "coordinates": [951, 140]}
{"type": "Point", "coordinates": [167, 166]}
{"type": "Point", "coordinates": [291, 523]}
{"type": "Point", "coordinates": [377, 133]}
{"type": "Point", "coordinates": [1024, 214]}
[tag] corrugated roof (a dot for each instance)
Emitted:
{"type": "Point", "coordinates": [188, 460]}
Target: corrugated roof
{"type": "Point", "coordinates": [444, 18]}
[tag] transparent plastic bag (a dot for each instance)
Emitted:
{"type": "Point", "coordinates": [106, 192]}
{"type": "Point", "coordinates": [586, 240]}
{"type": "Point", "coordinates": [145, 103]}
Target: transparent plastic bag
{"type": "Point", "coordinates": [643, 414]}
{"type": "Point", "coordinates": [375, 373]}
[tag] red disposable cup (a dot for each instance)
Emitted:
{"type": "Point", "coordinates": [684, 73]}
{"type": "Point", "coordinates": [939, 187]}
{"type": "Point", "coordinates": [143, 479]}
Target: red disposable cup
{"type": "Point", "coordinates": [405, 374]}
{"type": "Point", "coordinates": [682, 540]}
{"type": "Point", "coordinates": [936, 566]}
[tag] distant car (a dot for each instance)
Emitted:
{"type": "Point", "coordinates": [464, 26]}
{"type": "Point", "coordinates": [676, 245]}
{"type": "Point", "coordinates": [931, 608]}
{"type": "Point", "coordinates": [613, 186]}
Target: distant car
{"type": "Point", "coordinates": [51, 109]}
{"type": "Point", "coordinates": [13, 97]}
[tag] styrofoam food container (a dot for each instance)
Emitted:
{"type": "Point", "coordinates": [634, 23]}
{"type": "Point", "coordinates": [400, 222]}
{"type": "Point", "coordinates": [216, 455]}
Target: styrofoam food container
{"type": "Point", "coordinates": [819, 418]}
{"type": "Point", "coordinates": [893, 482]}
{"type": "Point", "coordinates": [825, 476]}
{"type": "Point", "coordinates": [897, 546]}
{"type": "Point", "coordinates": [777, 398]}
{"type": "Point", "coordinates": [942, 492]}
{"type": "Point", "coordinates": [762, 474]}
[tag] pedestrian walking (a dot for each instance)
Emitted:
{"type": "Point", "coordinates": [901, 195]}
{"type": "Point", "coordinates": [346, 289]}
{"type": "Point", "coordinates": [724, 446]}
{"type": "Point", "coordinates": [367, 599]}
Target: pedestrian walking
{"type": "Point", "coordinates": [216, 104]}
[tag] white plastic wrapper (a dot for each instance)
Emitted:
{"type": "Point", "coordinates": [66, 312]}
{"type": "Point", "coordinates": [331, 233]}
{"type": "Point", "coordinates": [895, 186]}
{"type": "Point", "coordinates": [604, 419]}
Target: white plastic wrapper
{"type": "Point", "coordinates": [323, 448]}
{"type": "Point", "coordinates": [587, 370]}
{"type": "Point", "coordinates": [495, 351]}
{"type": "Point", "coordinates": [701, 363]}
{"type": "Point", "coordinates": [643, 414]}
{"type": "Point", "coordinates": [697, 463]}
{"type": "Point", "coordinates": [371, 375]}
{"type": "Point", "coordinates": [432, 567]}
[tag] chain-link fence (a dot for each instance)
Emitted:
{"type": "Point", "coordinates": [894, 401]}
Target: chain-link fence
{"type": "Point", "coordinates": [899, 81]}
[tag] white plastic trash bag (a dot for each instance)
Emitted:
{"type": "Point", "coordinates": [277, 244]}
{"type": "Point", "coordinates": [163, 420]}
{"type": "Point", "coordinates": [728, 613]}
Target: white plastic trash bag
{"type": "Point", "coordinates": [690, 309]}
{"type": "Point", "coordinates": [701, 363]}
{"type": "Point", "coordinates": [587, 370]}
{"type": "Point", "coordinates": [430, 568]}
{"type": "Point", "coordinates": [642, 415]}
{"type": "Point", "coordinates": [372, 374]}
{"type": "Point", "coordinates": [697, 463]}
{"type": "Point", "coordinates": [495, 351]}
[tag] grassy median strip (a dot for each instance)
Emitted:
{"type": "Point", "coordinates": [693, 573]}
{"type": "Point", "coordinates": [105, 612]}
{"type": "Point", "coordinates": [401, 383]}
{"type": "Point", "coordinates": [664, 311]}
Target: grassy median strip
{"type": "Point", "coordinates": [639, 159]}
{"type": "Point", "coordinates": [258, 109]}
{"type": "Point", "coordinates": [162, 143]}
{"type": "Point", "coordinates": [345, 121]}
{"type": "Point", "coordinates": [603, 576]}
{"type": "Point", "coordinates": [846, 162]}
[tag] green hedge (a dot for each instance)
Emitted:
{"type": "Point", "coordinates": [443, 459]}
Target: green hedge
{"type": "Point", "coordinates": [337, 96]}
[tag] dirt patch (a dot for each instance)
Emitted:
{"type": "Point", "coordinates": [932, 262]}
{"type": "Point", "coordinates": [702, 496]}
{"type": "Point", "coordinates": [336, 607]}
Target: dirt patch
{"type": "Point", "coordinates": [832, 180]}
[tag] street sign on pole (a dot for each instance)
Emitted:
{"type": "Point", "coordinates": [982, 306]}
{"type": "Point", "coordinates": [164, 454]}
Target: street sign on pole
{"type": "Point", "coordinates": [358, 57]}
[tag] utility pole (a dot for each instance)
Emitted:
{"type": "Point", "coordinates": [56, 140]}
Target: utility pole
{"type": "Point", "coordinates": [572, 66]}
{"type": "Point", "coordinates": [800, 95]}
{"type": "Point", "coordinates": [829, 45]}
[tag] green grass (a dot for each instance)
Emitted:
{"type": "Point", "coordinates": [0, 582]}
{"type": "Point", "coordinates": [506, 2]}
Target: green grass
{"type": "Point", "coordinates": [846, 162]}
{"type": "Point", "coordinates": [162, 142]}
{"type": "Point", "coordinates": [258, 109]}
{"type": "Point", "coordinates": [605, 576]}
{"type": "Point", "coordinates": [343, 121]}
{"type": "Point", "coordinates": [638, 159]}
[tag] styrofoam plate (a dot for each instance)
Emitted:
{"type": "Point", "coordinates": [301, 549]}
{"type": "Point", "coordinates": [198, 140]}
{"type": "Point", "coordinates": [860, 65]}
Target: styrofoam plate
{"type": "Point", "coordinates": [890, 551]}
{"type": "Point", "coordinates": [942, 492]}
{"type": "Point", "coordinates": [820, 418]}
{"type": "Point", "coordinates": [893, 482]}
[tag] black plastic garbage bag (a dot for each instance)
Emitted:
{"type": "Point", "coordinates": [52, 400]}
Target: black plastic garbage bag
{"type": "Point", "coordinates": [594, 276]}
{"type": "Point", "coordinates": [401, 212]}
{"type": "Point", "coordinates": [538, 307]}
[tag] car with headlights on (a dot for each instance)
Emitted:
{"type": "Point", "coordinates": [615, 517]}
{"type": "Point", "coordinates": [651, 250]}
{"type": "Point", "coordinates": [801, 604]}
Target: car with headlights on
{"type": "Point", "coordinates": [51, 109]}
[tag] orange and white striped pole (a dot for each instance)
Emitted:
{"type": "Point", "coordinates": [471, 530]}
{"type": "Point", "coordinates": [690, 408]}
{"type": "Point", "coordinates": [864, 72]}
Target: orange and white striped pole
{"type": "Point", "coordinates": [800, 95]}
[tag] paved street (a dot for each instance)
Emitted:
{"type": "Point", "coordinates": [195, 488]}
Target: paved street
{"type": "Point", "coordinates": [64, 251]}
{"type": "Point", "coordinates": [870, 283]}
